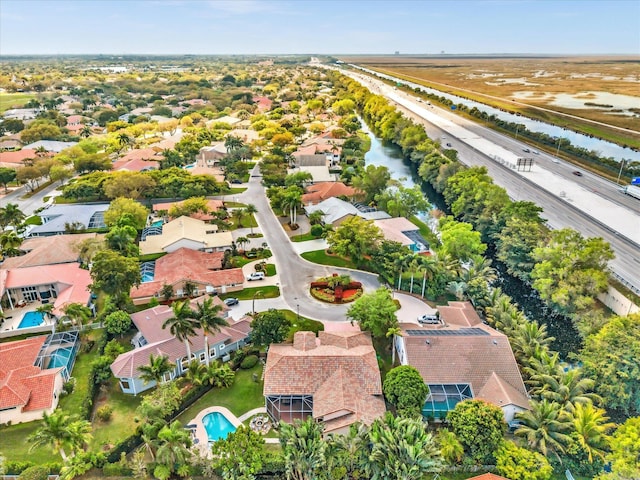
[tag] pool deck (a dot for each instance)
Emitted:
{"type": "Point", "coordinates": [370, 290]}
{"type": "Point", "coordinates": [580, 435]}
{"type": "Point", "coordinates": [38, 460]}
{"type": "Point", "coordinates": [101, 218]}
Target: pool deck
{"type": "Point", "coordinates": [14, 317]}
{"type": "Point", "coordinates": [200, 434]}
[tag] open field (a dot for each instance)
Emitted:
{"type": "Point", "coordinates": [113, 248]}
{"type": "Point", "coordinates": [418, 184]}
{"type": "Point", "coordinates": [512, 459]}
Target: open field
{"type": "Point", "coordinates": [602, 89]}
{"type": "Point", "coordinates": [14, 100]}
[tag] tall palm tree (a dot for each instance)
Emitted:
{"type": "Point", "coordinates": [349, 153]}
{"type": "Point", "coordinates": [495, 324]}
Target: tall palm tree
{"type": "Point", "coordinates": [157, 368]}
{"type": "Point", "coordinates": [79, 434]}
{"type": "Point", "coordinates": [182, 324]}
{"type": "Point", "coordinates": [58, 431]}
{"type": "Point", "coordinates": [233, 143]}
{"type": "Point", "coordinates": [304, 449]}
{"type": "Point", "coordinates": [528, 337]}
{"type": "Point", "coordinates": [85, 132]}
{"type": "Point", "coordinates": [544, 427]}
{"type": "Point", "coordinates": [242, 241]}
{"type": "Point", "coordinates": [78, 313]}
{"type": "Point", "coordinates": [173, 446]}
{"type": "Point", "coordinates": [567, 388]}
{"type": "Point", "coordinates": [10, 243]}
{"type": "Point", "coordinates": [250, 210]}
{"type": "Point", "coordinates": [392, 333]}
{"type": "Point", "coordinates": [10, 214]}
{"type": "Point", "coordinates": [591, 424]}
{"type": "Point", "coordinates": [238, 214]}
{"type": "Point", "coordinates": [210, 321]}
{"type": "Point", "coordinates": [124, 140]}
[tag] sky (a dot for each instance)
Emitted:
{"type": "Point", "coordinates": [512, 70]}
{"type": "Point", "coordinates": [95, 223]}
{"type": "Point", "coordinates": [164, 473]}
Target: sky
{"type": "Point", "coordinates": [322, 27]}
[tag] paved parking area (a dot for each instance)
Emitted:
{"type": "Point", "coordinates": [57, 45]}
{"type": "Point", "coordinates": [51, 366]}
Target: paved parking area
{"type": "Point", "coordinates": [411, 308]}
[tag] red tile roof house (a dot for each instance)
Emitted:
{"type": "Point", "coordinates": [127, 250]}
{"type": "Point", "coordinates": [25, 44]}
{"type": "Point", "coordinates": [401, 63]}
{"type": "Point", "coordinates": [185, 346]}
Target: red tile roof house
{"type": "Point", "coordinates": [212, 204]}
{"type": "Point", "coordinates": [139, 160]}
{"type": "Point", "coordinates": [333, 378]}
{"type": "Point", "coordinates": [319, 192]}
{"type": "Point", "coordinates": [204, 270]}
{"type": "Point", "coordinates": [264, 103]}
{"type": "Point", "coordinates": [152, 339]}
{"type": "Point", "coordinates": [26, 391]}
{"type": "Point", "coordinates": [60, 284]}
{"type": "Point", "coordinates": [461, 358]}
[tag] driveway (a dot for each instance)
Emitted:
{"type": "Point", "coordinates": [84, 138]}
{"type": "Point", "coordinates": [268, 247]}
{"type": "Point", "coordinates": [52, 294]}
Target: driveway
{"type": "Point", "coordinates": [411, 308]}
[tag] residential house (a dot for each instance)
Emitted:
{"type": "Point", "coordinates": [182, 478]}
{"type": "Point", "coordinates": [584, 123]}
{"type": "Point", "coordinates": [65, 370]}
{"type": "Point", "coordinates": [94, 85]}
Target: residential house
{"type": "Point", "coordinates": [139, 160]}
{"type": "Point", "coordinates": [246, 135]}
{"type": "Point", "coordinates": [337, 211]}
{"type": "Point", "coordinates": [263, 103]}
{"type": "Point", "coordinates": [21, 114]}
{"type": "Point", "coordinates": [333, 378]}
{"type": "Point", "coordinates": [32, 373]}
{"type": "Point", "coordinates": [184, 232]}
{"type": "Point", "coordinates": [17, 158]}
{"type": "Point", "coordinates": [50, 145]}
{"type": "Point", "coordinates": [49, 250]}
{"type": "Point", "coordinates": [212, 205]}
{"type": "Point", "coordinates": [59, 219]}
{"type": "Point", "coordinates": [229, 120]}
{"type": "Point", "coordinates": [210, 156]}
{"type": "Point", "coordinates": [460, 358]}
{"type": "Point", "coordinates": [203, 271]}
{"type": "Point", "coordinates": [9, 145]}
{"type": "Point", "coordinates": [401, 230]}
{"type": "Point", "coordinates": [319, 192]}
{"type": "Point", "coordinates": [152, 339]}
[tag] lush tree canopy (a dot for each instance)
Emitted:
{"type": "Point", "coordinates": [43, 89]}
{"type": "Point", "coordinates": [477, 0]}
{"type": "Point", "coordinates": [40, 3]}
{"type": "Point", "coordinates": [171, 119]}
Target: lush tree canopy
{"type": "Point", "coordinates": [404, 388]}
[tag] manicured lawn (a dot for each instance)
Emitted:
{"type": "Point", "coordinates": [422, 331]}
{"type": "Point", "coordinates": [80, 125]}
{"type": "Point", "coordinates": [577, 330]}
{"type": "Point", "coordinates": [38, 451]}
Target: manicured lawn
{"type": "Point", "coordinates": [14, 100]}
{"type": "Point", "coordinates": [270, 269]}
{"type": "Point", "coordinates": [122, 423]}
{"type": "Point", "coordinates": [268, 291]}
{"type": "Point", "coordinates": [242, 396]}
{"type": "Point", "coordinates": [234, 205]}
{"type": "Point", "coordinates": [72, 403]}
{"type": "Point", "coordinates": [33, 220]}
{"type": "Point", "coordinates": [301, 323]}
{"type": "Point", "coordinates": [321, 257]}
{"type": "Point", "coordinates": [14, 444]}
{"type": "Point", "coordinates": [305, 237]}
{"type": "Point", "coordinates": [248, 221]}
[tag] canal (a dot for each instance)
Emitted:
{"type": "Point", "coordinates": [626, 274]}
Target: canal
{"type": "Point", "coordinates": [560, 327]}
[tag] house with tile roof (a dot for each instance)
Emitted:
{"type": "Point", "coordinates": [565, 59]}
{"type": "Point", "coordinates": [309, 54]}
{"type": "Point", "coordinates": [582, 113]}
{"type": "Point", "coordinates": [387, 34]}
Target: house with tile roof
{"type": "Point", "coordinates": [321, 191]}
{"type": "Point", "coordinates": [184, 232]}
{"type": "Point", "coordinates": [333, 378]}
{"type": "Point", "coordinates": [401, 230]}
{"type": "Point", "coordinates": [211, 155]}
{"type": "Point", "coordinates": [336, 211]}
{"type": "Point", "coordinates": [212, 204]}
{"type": "Point", "coordinates": [139, 160]}
{"type": "Point", "coordinates": [49, 250]}
{"type": "Point", "coordinates": [152, 339]}
{"type": "Point", "coordinates": [203, 271]}
{"type": "Point", "coordinates": [59, 284]}
{"type": "Point", "coordinates": [16, 158]}
{"type": "Point", "coordinates": [57, 218]}
{"type": "Point", "coordinates": [27, 391]}
{"type": "Point", "coordinates": [460, 358]}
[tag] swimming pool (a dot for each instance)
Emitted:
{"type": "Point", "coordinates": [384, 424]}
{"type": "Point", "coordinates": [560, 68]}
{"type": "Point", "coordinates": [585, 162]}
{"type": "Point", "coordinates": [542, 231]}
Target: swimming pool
{"type": "Point", "coordinates": [61, 358]}
{"type": "Point", "coordinates": [31, 319]}
{"type": "Point", "coordinates": [217, 426]}
{"type": "Point", "coordinates": [157, 223]}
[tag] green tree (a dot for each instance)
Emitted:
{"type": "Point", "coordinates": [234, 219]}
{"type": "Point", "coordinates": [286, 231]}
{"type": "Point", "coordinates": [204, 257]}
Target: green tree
{"type": "Point", "coordinates": [219, 375]}
{"type": "Point", "coordinates": [59, 173]}
{"type": "Point", "coordinates": [209, 319]}
{"type": "Point", "coordinates": [40, 130]}
{"type": "Point", "coordinates": [269, 327]}
{"type": "Point", "coordinates": [11, 215]}
{"type": "Point", "coordinates": [450, 447]}
{"type": "Point", "coordinates": [591, 425]}
{"type": "Point", "coordinates": [304, 449]}
{"type": "Point", "coordinates": [114, 274]}
{"type": "Point", "coordinates": [7, 175]}
{"type": "Point", "coordinates": [375, 312]}
{"type": "Point", "coordinates": [517, 463]}
{"type": "Point", "coordinates": [117, 323]}
{"type": "Point", "coordinates": [182, 324]}
{"type": "Point", "coordinates": [77, 313]}
{"type": "Point", "coordinates": [355, 238]}
{"type": "Point", "coordinates": [401, 449]}
{"type": "Point", "coordinates": [402, 201]}
{"type": "Point", "coordinates": [125, 184]}
{"type": "Point", "coordinates": [571, 270]}
{"type": "Point", "coordinates": [515, 245]}
{"type": "Point", "coordinates": [123, 240]}
{"type": "Point", "coordinates": [480, 427]}
{"type": "Point", "coordinates": [230, 464]}
{"type": "Point", "coordinates": [611, 356]}
{"type": "Point", "coordinates": [158, 367]}
{"type": "Point", "coordinates": [173, 447]}
{"type": "Point", "coordinates": [120, 207]}
{"type": "Point", "coordinates": [460, 240]}
{"type": "Point", "coordinates": [58, 431]}
{"type": "Point", "coordinates": [10, 243]}
{"type": "Point", "coordinates": [298, 179]}
{"type": "Point", "coordinates": [624, 458]}
{"type": "Point", "coordinates": [373, 181]}
{"type": "Point", "coordinates": [545, 428]}
{"type": "Point", "coordinates": [404, 388]}
{"type": "Point", "coordinates": [565, 387]}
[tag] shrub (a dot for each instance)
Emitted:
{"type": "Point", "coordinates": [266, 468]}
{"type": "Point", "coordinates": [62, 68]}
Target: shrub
{"type": "Point", "coordinates": [104, 413]}
{"type": "Point", "coordinates": [316, 230]}
{"type": "Point", "coordinates": [37, 472]}
{"type": "Point", "coordinates": [68, 387]}
{"type": "Point", "coordinates": [116, 470]}
{"type": "Point", "coordinates": [249, 362]}
{"type": "Point", "coordinates": [16, 468]}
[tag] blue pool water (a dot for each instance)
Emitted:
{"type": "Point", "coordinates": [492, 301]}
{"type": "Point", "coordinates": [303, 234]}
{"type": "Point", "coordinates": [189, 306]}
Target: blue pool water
{"type": "Point", "coordinates": [158, 223]}
{"type": "Point", "coordinates": [147, 277]}
{"type": "Point", "coordinates": [60, 358]}
{"type": "Point", "coordinates": [217, 426]}
{"type": "Point", "coordinates": [31, 319]}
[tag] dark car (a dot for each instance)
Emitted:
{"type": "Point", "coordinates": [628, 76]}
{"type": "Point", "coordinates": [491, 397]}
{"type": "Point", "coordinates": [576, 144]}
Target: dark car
{"type": "Point", "coordinates": [577, 173]}
{"type": "Point", "coordinates": [236, 181]}
{"type": "Point", "coordinates": [230, 302]}
{"type": "Point", "coordinates": [448, 144]}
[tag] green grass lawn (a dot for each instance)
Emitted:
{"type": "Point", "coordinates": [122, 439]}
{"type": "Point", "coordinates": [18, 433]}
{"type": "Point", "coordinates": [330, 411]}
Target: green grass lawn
{"type": "Point", "coordinates": [14, 100]}
{"type": "Point", "coordinates": [304, 237]}
{"type": "Point", "coordinates": [122, 424]}
{"type": "Point", "coordinates": [270, 270]}
{"type": "Point", "coordinates": [234, 204]}
{"type": "Point", "coordinates": [242, 396]}
{"type": "Point", "coordinates": [71, 403]}
{"type": "Point", "coordinates": [425, 231]}
{"type": "Point", "coordinates": [15, 447]}
{"type": "Point", "coordinates": [321, 257]}
{"type": "Point", "coordinates": [268, 291]}
{"type": "Point", "coordinates": [301, 323]}
{"type": "Point", "coordinates": [33, 220]}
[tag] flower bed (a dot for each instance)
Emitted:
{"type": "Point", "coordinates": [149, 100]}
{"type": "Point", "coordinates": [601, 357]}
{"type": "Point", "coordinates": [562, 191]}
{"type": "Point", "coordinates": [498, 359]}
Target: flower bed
{"type": "Point", "coordinates": [335, 289]}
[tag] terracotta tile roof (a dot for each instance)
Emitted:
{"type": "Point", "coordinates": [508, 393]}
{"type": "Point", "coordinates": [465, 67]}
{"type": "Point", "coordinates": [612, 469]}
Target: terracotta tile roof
{"type": "Point", "coordinates": [72, 282]}
{"type": "Point", "coordinates": [318, 192]}
{"type": "Point", "coordinates": [198, 234]}
{"type": "Point", "coordinates": [459, 313]}
{"type": "Point", "coordinates": [136, 165]}
{"type": "Point", "coordinates": [393, 228]}
{"type": "Point", "coordinates": [184, 264]}
{"type": "Point", "coordinates": [213, 205]}
{"type": "Point", "coordinates": [468, 352]}
{"type": "Point", "coordinates": [48, 250]}
{"type": "Point", "coordinates": [16, 158]}
{"type": "Point", "coordinates": [21, 383]}
{"type": "Point", "coordinates": [488, 476]}
{"type": "Point", "coordinates": [339, 369]}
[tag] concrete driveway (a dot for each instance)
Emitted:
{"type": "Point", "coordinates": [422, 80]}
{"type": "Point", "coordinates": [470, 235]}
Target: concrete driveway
{"type": "Point", "coordinates": [411, 308]}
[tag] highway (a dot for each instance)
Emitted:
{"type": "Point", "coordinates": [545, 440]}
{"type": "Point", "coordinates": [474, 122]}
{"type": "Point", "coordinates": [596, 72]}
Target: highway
{"type": "Point", "coordinates": [567, 200]}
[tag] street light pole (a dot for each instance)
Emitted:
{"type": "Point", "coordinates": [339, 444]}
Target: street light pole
{"type": "Point", "coordinates": [558, 149]}
{"type": "Point", "coordinates": [298, 312]}
{"type": "Point", "coordinates": [253, 301]}
{"type": "Point", "coordinates": [620, 172]}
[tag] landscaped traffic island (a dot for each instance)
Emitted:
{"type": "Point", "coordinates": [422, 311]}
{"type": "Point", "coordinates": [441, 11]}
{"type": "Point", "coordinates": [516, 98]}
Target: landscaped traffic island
{"type": "Point", "coordinates": [336, 289]}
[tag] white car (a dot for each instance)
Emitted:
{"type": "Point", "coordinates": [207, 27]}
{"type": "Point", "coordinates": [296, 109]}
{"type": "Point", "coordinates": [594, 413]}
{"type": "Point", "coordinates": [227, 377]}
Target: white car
{"type": "Point", "coordinates": [429, 319]}
{"type": "Point", "coordinates": [255, 276]}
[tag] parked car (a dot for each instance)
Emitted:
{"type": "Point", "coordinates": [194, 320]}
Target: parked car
{"type": "Point", "coordinates": [236, 181]}
{"type": "Point", "coordinates": [429, 319]}
{"type": "Point", "coordinates": [255, 276]}
{"type": "Point", "coordinates": [577, 173]}
{"type": "Point", "coordinates": [230, 302]}
{"type": "Point", "coordinates": [448, 144]}
{"type": "Point", "coordinates": [526, 150]}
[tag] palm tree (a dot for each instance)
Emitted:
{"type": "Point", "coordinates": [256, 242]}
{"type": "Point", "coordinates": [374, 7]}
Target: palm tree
{"type": "Point", "coordinates": [242, 241]}
{"type": "Point", "coordinates": [544, 427]}
{"type": "Point", "coordinates": [303, 448]}
{"type": "Point", "coordinates": [591, 424]}
{"type": "Point", "coordinates": [195, 372]}
{"type": "Point", "coordinates": [173, 446]}
{"type": "Point", "coordinates": [210, 321]}
{"type": "Point", "coordinates": [123, 140]}
{"type": "Point", "coordinates": [527, 337]}
{"type": "Point", "coordinates": [11, 215]}
{"type": "Point", "coordinates": [233, 143]}
{"type": "Point", "coordinates": [157, 368]}
{"type": "Point", "coordinates": [219, 375]}
{"type": "Point", "coordinates": [78, 313]}
{"type": "Point", "coordinates": [182, 324]}
{"type": "Point", "coordinates": [349, 451]}
{"type": "Point", "coordinates": [391, 333]}
{"type": "Point", "coordinates": [79, 434]}
{"type": "Point", "coordinates": [238, 214]}
{"type": "Point", "coordinates": [9, 243]}
{"type": "Point", "coordinates": [45, 309]}
{"type": "Point", "coordinates": [59, 430]}
{"type": "Point", "coordinates": [450, 447]}
{"type": "Point", "coordinates": [402, 449]}
{"type": "Point", "coordinates": [85, 132]}
{"type": "Point", "coordinates": [567, 388]}
{"type": "Point", "coordinates": [250, 210]}
{"type": "Point", "coordinates": [458, 288]}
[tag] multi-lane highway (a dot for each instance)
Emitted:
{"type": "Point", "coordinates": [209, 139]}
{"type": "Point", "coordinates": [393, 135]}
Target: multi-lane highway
{"type": "Point", "coordinates": [588, 203]}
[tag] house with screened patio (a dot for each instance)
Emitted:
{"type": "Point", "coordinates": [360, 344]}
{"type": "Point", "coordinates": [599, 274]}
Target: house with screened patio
{"type": "Point", "coordinates": [460, 358]}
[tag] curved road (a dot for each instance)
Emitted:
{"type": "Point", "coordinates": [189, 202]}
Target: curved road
{"type": "Point", "coordinates": [294, 272]}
